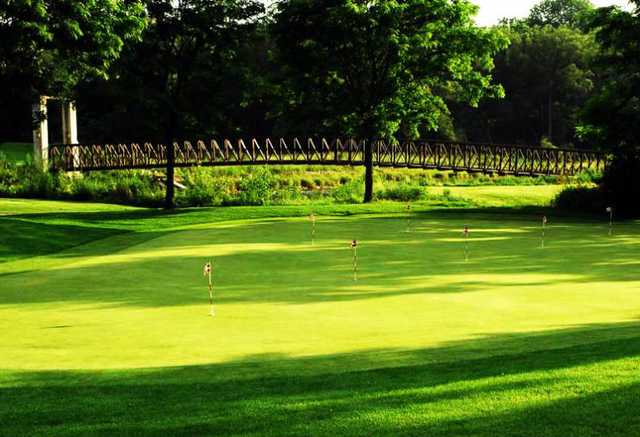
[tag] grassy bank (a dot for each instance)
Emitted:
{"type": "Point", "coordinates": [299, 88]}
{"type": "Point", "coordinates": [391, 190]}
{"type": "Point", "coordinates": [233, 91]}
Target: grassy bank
{"type": "Point", "coordinates": [279, 185]}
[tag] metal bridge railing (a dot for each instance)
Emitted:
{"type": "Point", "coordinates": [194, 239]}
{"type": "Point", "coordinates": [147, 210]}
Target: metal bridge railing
{"type": "Point", "coordinates": [442, 155]}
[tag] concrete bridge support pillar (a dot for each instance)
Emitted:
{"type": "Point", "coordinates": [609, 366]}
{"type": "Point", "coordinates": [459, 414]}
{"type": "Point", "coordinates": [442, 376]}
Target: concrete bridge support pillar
{"type": "Point", "coordinates": [70, 129]}
{"type": "Point", "coordinates": [40, 132]}
{"type": "Point", "coordinates": [69, 123]}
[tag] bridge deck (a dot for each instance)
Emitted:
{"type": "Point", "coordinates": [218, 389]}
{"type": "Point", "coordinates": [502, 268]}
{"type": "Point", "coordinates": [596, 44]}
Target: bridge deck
{"type": "Point", "coordinates": [472, 157]}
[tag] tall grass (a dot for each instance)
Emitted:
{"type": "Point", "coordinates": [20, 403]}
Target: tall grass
{"type": "Point", "coordinates": [277, 185]}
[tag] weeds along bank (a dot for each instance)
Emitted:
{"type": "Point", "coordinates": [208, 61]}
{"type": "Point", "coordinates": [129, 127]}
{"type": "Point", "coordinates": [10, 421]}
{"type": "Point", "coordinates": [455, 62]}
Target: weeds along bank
{"type": "Point", "coordinates": [260, 185]}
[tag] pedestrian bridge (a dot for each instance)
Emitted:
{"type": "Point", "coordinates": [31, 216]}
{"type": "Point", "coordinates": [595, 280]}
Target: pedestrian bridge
{"type": "Point", "coordinates": [439, 155]}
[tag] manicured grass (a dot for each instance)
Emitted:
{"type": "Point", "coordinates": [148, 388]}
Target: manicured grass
{"type": "Point", "coordinates": [108, 333]}
{"type": "Point", "coordinates": [16, 152]}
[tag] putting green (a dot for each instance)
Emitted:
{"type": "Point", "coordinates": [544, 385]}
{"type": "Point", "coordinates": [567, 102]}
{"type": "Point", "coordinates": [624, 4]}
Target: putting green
{"type": "Point", "coordinates": [131, 310]}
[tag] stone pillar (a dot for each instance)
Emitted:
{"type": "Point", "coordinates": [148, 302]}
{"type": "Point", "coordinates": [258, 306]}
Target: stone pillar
{"type": "Point", "coordinates": [40, 132]}
{"type": "Point", "coordinates": [70, 129]}
{"type": "Point", "coordinates": [69, 123]}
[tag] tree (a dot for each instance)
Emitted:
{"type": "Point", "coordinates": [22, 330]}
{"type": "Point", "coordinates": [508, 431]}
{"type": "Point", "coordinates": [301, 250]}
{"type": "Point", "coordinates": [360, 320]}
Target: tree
{"type": "Point", "coordinates": [186, 54]}
{"type": "Point", "coordinates": [547, 75]}
{"type": "Point", "coordinates": [612, 116]}
{"type": "Point", "coordinates": [570, 13]}
{"type": "Point", "coordinates": [50, 45]}
{"type": "Point", "coordinates": [383, 68]}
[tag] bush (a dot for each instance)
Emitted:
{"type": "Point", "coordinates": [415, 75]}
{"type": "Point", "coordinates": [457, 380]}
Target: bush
{"type": "Point", "coordinates": [257, 188]}
{"type": "Point", "coordinates": [587, 177]}
{"type": "Point", "coordinates": [402, 193]}
{"type": "Point", "coordinates": [351, 192]}
{"type": "Point", "coordinates": [204, 188]}
{"type": "Point", "coordinates": [585, 199]}
{"type": "Point", "coordinates": [621, 184]}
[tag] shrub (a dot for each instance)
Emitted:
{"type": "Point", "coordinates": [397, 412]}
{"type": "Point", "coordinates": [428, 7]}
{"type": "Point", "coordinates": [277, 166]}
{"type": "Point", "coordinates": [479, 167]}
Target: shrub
{"type": "Point", "coordinates": [204, 188]}
{"type": "Point", "coordinates": [589, 176]}
{"type": "Point", "coordinates": [580, 198]}
{"type": "Point", "coordinates": [256, 188]}
{"type": "Point", "coordinates": [402, 193]}
{"type": "Point", "coordinates": [621, 183]}
{"type": "Point", "coordinates": [351, 192]}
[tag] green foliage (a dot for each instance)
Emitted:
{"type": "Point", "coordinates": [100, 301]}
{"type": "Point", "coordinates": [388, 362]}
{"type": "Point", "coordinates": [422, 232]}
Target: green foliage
{"type": "Point", "coordinates": [204, 188]}
{"type": "Point", "coordinates": [350, 192]}
{"type": "Point", "coordinates": [16, 152]}
{"type": "Point", "coordinates": [52, 45]}
{"type": "Point", "coordinates": [257, 187]}
{"type": "Point", "coordinates": [385, 67]}
{"type": "Point", "coordinates": [277, 185]}
{"type": "Point", "coordinates": [402, 193]}
{"type": "Point", "coordinates": [611, 118]}
{"type": "Point", "coordinates": [572, 13]}
{"type": "Point", "coordinates": [547, 74]}
{"type": "Point", "coordinates": [581, 199]}
{"type": "Point", "coordinates": [621, 184]}
{"type": "Point", "coordinates": [618, 188]}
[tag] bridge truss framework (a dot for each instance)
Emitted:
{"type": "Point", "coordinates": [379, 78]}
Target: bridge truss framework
{"type": "Point", "coordinates": [440, 155]}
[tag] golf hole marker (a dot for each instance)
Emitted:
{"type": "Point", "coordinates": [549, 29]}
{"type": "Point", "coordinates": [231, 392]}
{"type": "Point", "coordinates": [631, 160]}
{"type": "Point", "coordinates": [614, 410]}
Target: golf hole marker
{"type": "Point", "coordinates": [610, 211]}
{"type": "Point", "coordinates": [207, 270]}
{"type": "Point", "coordinates": [408, 217]}
{"type": "Point", "coordinates": [354, 250]}
{"type": "Point", "coordinates": [312, 218]}
{"type": "Point", "coordinates": [544, 225]}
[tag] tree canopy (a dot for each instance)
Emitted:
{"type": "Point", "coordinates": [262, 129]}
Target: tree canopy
{"type": "Point", "coordinates": [383, 68]}
{"type": "Point", "coordinates": [52, 45]}
{"type": "Point", "coordinates": [571, 13]}
{"type": "Point", "coordinates": [612, 116]}
{"type": "Point", "coordinates": [547, 75]}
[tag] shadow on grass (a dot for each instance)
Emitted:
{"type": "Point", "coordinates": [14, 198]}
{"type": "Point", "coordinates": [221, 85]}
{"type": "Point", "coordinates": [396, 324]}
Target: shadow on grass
{"type": "Point", "coordinates": [573, 382]}
{"type": "Point", "coordinates": [23, 239]}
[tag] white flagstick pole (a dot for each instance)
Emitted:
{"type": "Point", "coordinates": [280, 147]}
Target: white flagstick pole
{"type": "Point", "coordinates": [544, 224]}
{"type": "Point", "coordinates": [312, 217]}
{"type": "Point", "coordinates": [408, 217]}
{"type": "Point", "coordinates": [208, 268]}
{"type": "Point", "coordinates": [354, 249]}
{"type": "Point", "coordinates": [610, 211]}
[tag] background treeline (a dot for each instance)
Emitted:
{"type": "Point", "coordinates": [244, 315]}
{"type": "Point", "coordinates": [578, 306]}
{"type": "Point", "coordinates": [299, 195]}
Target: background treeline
{"type": "Point", "coordinates": [216, 66]}
{"type": "Point", "coordinates": [568, 75]}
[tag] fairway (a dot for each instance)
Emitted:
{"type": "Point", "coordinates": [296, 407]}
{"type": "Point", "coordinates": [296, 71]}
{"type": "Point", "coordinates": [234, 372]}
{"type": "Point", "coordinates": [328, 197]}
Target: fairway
{"type": "Point", "coordinates": [112, 335]}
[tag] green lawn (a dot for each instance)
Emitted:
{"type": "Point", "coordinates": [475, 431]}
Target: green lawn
{"type": "Point", "coordinates": [16, 151]}
{"type": "Point", "coordinates": [105, 326]}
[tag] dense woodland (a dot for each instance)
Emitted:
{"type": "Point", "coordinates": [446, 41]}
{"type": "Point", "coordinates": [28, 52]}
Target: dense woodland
{"type": "Point", "coordinates": [230, 67]}
{"type": "Point", "coordinates": [568, 75]}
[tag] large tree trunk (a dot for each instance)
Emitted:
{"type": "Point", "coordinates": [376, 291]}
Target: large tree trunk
{"type": "Point", "coordinates": [368, 171]}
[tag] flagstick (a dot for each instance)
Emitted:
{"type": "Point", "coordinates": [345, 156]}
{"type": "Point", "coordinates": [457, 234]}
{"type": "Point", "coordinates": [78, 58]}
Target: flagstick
{"type": "Point", "coordinates": [313, 228]}
{"type": "Point", "coordinates": [208, 271]}
{"type": "Point", "coordinates": [408, 217]}
{"type": "Point", "coordinates": [544, 223]}
{"type": "Point", "coordinates": [213, 312]}
{"type": "Point", "coordinates": [354, 248]}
